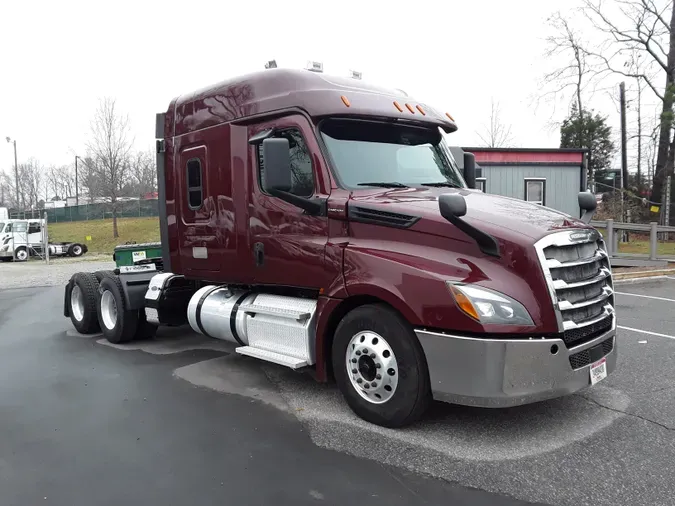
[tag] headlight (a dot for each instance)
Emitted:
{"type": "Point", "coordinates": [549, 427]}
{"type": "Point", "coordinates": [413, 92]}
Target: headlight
{"type": "Point", "coordinates": [5, 247]}
{"type": "Point", "coordinates": [489, 306]}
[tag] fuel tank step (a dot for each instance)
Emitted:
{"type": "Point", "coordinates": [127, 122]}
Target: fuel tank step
{"type": "Point", "coordinates": [270, 356]}
{"type": "Point", "coordinates": [291, 314]}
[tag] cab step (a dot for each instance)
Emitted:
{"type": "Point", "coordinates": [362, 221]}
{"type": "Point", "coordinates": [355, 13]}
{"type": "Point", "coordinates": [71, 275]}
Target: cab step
{"type": "Point", "coordinates": [281, 312]}
{"type": "Point", "coordinates": [270, 356]}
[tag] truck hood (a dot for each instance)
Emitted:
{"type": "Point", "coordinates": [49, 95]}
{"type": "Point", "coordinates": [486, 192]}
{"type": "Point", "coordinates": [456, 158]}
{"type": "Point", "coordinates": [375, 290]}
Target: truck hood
{"type": "Point", "coordinates": [499, 216]}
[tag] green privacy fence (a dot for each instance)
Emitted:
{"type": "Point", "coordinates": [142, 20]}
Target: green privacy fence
{"type": "Point", "coordinates": [86, 212]}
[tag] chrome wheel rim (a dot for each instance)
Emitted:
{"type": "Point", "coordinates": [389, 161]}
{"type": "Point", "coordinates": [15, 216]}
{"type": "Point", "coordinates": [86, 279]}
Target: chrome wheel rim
{"type": "Point", "coordinates": [21, 255]}
{"type": "Point", "coordinates": [77, 303]}
{"type": "Point", "coordinates": [77, 250]}
{"type": "Point", "coordinates": [372, 367]}
{"type": "Point", "coordinates": [108, 310]}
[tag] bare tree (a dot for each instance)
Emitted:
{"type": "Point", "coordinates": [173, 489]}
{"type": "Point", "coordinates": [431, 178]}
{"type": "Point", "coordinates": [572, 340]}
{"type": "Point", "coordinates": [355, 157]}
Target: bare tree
{"type": "Point", "coordinates": [30, 182]}
{"type": "Point", "coordinates": [110, 147]}
{"type": "Point", "coordinates": [60, 182]}
{"type": "Point", "coordinates": [646, 27]}
{"type": "Point", "coordinates": [577, 72]}
{"type": "Point", "coordinates": [496, 134]}
{"type": "Point", "coordinates": [144, 172]}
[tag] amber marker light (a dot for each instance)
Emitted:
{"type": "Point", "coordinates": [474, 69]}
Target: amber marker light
{"type": "Point", "coordinates": [464, 303]}
{"type": "Point", "coordinates": [398, 106]}
{"type": "Point", "coordinates": [345, 101]}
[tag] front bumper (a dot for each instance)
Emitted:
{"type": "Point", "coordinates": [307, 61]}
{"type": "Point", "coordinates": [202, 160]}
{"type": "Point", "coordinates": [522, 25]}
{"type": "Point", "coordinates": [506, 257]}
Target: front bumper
{"type": "Point", "coordinates": [6, 254]}
{"type": "Point", "coordinates": [497, 373]}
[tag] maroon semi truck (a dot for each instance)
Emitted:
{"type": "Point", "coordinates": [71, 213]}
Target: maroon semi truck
{"type": "Point", "coordinates": [322, 224]}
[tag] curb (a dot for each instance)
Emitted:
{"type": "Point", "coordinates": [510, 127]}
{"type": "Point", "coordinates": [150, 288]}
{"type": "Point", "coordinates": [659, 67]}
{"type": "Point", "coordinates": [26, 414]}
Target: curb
{"type": "Point", "coordinates": [643, 275]}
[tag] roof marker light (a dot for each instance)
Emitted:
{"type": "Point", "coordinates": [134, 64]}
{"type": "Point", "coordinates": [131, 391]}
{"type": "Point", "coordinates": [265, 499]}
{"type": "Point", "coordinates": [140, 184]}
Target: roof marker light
{"type": "Point", "coordinates": [315, 66]}
{"type": "Point", "coordinates": [345, 101]}
{"type": "Point", "coordinates": [448, 115]}
{"type": "Point", "coordinates": [398, 106]}
{"type": "Point", "coordinates": [272, 64]}
{"type": "Point", "coordinates": [412, 111]}
{"type": "Point", "coordinates": [421, 111]}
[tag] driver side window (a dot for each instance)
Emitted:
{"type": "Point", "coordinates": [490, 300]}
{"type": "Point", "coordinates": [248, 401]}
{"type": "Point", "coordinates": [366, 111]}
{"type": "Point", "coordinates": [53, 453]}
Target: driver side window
{"type": "Point", "coordinates": [302, 175]}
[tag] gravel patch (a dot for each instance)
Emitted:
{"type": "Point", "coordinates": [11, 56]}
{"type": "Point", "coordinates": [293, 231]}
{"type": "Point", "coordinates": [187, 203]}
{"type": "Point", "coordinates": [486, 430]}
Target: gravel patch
{"type": "Point", "coordinates": [58, 272]}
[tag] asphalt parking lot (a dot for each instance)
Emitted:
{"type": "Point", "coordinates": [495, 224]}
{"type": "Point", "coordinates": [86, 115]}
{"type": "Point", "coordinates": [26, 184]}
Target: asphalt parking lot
{"type": "Point", "coordinates": [181, 420]}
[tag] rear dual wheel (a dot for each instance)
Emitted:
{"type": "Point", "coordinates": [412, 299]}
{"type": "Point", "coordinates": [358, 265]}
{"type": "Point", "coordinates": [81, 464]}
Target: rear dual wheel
{"type": "Point", "coordinates": [119, 324]}
{"type": "Point", "coordinates": [380, 367]}
{"type": "Point", "coordinates": [82, 303]}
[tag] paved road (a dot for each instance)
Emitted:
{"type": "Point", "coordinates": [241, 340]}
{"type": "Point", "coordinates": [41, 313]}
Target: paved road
{"type": "Point", "coordinates": [85, 423]}
{"type": "Point", "coordinates": [181, 419]}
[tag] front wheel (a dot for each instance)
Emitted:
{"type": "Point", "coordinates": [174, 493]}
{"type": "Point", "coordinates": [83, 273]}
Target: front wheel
{"type": "Point", "coordinates": [380, 367]}
{"type": "Point", "coordinates": [21, 254]}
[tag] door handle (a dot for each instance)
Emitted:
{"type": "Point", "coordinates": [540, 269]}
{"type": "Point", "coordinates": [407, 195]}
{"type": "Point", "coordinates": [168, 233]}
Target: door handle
{"type": "Point", "coordinates": [259, 254]}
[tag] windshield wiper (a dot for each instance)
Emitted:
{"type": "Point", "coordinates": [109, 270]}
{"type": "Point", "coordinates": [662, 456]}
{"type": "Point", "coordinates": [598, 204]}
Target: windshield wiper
{"type": "Point", "coordinates": [392, 184]}
{"type": "Point", "coordinates": [442, 184]}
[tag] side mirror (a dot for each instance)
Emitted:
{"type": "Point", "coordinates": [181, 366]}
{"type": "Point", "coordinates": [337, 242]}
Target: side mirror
{"type": "Point", "coordinates": [470, 170]}
{"type": "Point", "coordinates": [277, 162]}
{"type": "Point", "coordinates": [588, 204]}
{"type": "Point", "coordinates": [452, 205]}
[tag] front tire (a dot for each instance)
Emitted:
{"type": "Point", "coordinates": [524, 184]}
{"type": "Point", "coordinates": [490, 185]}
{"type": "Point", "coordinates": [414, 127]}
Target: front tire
{"type": "Point", "coordinates": [118, 324]}
{"type": "Point", "coordinates": [82, 303]}
{"type": "Point", "coordinates": [21, 254]}
{"type": "Point", "coordinates": [380, 366]}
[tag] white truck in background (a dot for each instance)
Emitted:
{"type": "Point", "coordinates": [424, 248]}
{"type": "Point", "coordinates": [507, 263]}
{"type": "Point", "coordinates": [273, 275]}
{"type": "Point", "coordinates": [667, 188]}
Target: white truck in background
{"type": "Point", "coordinates": [4, 213]}
{"type": "Point", "coordinates": [20, 239]}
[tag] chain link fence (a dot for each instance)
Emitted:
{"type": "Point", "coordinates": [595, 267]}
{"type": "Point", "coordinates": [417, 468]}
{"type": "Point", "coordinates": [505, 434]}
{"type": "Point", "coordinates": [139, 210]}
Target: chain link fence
{"type": "Point", "coordinates": [86, 212]}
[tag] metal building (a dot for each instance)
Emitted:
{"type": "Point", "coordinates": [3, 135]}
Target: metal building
{"type": "Point", "coordinates": [550, 177]}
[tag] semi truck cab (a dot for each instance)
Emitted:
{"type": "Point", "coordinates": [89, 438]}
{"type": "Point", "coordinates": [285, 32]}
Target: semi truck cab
{"type": "Point", "coordinates": [322, 223]}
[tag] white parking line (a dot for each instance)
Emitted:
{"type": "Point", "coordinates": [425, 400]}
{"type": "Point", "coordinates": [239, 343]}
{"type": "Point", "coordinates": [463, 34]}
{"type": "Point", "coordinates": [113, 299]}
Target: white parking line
{"type": "Point", "coordinates": [645, 296]}
{"type": "Point", "coordinates": [646, 332]}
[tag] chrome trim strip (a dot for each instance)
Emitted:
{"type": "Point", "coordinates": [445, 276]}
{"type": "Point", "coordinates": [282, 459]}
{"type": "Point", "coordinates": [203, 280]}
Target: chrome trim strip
{"type": "Point", "coordinates": [607, 292]}
{"type": "Point", "coordinates": [607, 311]}
{"type": "Point", "coordinates": [552, 263]}
{"type": "Point", "coordinates": [560, 284]}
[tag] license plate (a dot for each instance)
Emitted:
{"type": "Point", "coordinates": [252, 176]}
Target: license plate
{"type": "Point", "coordinates": [598, 371]}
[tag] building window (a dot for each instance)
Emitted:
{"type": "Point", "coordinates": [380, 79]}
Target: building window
{"type": "Point", "coordinates": [480, 183]}
{"type": "Point", "coordinates": [535, 190]}
{"type": "Point", "coordinates": [302, 176]}
{"type": "Point", "coordinates": [194, 183]}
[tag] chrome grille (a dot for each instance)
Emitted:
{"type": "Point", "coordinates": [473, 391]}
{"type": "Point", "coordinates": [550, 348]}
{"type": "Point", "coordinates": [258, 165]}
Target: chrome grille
{"type": "Point", "coordinates": [576, 267]}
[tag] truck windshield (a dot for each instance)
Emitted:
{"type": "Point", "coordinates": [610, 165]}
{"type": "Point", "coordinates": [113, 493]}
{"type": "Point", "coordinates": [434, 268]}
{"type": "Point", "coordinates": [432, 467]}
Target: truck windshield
{"type": "Point", "coordinates": [2, 226]}
{"type": "Point", "coordinates": [367, 153]}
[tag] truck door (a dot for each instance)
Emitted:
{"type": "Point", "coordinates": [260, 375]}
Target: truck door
{"type": "Point", "coordinates": [287, 244]}
{"type": "Point", "coordinates": [198, 242]}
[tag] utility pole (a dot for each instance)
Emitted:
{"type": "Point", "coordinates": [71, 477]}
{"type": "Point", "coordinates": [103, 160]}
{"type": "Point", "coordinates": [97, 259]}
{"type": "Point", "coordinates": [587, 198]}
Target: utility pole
{"type": "Point", "coordinates": [624, 154]}
{"type": "Point", "coordinates": [77, 194]}
{"type": "Point", "coordinates": [16, 170]}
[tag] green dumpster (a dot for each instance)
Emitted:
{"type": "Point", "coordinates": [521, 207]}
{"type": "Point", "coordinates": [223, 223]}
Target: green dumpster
{"type": "Point", "coordinates": [130, 254]}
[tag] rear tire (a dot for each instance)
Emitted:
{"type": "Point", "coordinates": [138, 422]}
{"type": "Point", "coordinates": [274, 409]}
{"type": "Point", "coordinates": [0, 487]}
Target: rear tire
{"type": "Point", "coordinates": [75, 250]}
{"type": "Point", "coordinates": [376, 354]}
{"type": "Point", "coordinates": [101, 274]}
{"type": "Point", "coordinates": [118, 324]}
{"type": "Point", "coordinates": [82, 303]}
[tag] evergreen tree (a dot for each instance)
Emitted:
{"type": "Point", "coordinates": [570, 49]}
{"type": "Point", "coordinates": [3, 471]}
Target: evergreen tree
{"type": "Point", "coordinates": [589, 131]}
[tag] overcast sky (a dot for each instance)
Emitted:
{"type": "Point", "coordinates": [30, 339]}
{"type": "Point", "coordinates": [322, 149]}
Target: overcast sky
{"type": "Point", "coordinates": [58, 58]}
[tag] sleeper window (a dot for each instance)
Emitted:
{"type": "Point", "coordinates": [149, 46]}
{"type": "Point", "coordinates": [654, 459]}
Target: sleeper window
{"type": "Point", "coordinates": [535, 191]}
{"type": "Point", "coordinates": [302, 176]}
{"type": "Point", "coordinates": [34, 228]}
{"type": "Point", "coordinates": [194, 183]}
